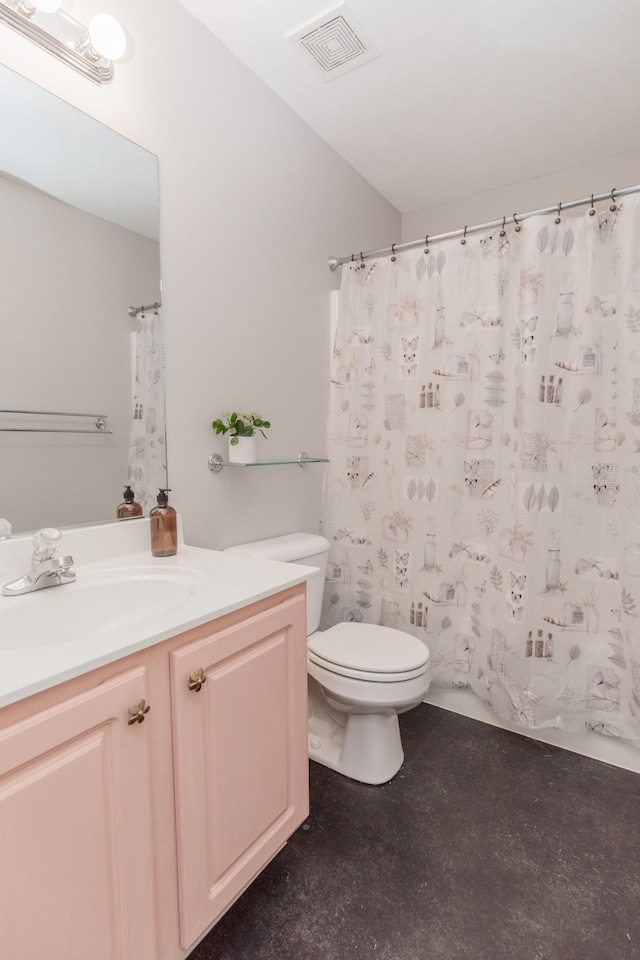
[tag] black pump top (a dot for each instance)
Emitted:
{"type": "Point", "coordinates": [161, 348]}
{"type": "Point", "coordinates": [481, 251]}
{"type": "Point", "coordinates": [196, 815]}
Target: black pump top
{"type": "Point", "coordinates": [163, 496]}
{"type": "Point", "coordinates": [129, 495]}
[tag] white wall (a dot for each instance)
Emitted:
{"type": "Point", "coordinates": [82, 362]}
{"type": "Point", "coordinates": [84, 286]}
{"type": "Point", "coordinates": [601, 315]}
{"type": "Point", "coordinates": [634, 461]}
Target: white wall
{"type": "Point", "coordinates": [68, 279]}
{"type": "Point", "coordinates": [599, 176]}
{"type": "Point", "coordinates": [252, 203]}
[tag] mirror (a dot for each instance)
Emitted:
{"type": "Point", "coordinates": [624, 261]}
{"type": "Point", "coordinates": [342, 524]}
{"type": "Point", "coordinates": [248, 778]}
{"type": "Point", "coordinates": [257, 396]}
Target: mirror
{"type": "Point", "coordinates": [79, 229]}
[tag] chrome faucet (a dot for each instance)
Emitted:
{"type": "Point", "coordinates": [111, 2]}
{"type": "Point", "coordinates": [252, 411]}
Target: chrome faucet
{"type": "Point", "coordinates": [46, 570]}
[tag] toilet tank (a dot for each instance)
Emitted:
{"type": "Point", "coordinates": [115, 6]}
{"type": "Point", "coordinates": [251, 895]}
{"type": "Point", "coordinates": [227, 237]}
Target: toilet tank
{"type": "Point", "coordinates": [306, 548]}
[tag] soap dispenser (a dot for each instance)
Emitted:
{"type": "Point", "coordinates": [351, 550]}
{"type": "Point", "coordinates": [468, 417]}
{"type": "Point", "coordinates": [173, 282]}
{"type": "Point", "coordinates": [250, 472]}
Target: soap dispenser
{"type": "Point", "coordinates": [164, 529]}
{"type": "Point", "coordinates": [129, 507]}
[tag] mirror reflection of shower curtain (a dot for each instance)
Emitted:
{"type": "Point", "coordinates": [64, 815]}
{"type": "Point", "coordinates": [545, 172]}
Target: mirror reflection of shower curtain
{"type": "Point", "coordinates": [483, 492]}
{"type": "Point", "coordinates": [147, 469]}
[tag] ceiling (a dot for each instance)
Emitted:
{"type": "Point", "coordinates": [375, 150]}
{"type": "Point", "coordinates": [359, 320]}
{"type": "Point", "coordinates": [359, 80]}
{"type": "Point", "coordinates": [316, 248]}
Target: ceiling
{"type": "Point", "coordinates": [466, 95]}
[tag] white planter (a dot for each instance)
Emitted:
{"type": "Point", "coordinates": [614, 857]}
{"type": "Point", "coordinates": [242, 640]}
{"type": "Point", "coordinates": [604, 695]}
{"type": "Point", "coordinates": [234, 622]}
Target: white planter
{"type": "Point", "coordinates": [244, 451]}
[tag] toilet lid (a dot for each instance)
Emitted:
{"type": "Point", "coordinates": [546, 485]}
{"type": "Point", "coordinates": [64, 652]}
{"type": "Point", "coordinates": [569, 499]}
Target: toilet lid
{"type": "Point", "coordinates": [368, 648]}
{"type": "Point", "coordinates": [313, 661]}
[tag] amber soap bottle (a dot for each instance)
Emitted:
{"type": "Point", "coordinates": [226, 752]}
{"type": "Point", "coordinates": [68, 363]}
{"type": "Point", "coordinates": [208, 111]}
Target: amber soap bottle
{"type": "Point", "coordinates": [164, 527]}
{"type": "Point", "coordinates": [129, 507]}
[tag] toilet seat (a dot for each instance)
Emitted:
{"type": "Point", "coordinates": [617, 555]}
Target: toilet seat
{"type": "Point", "coordinates": [366, 651]}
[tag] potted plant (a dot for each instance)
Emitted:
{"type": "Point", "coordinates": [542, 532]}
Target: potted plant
{"type": "Point", "coordinates": [242, 427]}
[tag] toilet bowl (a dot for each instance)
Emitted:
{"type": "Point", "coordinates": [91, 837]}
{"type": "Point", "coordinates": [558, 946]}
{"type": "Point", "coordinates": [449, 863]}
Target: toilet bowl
{"type": "Point", "coordinates": [361, 676]}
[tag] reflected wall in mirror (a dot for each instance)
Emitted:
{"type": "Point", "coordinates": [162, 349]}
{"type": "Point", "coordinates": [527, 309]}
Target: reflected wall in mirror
{"type": "Point", "coordinates": [79, 231]}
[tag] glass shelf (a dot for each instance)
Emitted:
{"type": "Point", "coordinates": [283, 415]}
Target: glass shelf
{"type": "Point", "coordinates": [216, 463]}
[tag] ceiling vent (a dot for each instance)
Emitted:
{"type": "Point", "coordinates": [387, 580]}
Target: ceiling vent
{"type": "Point", "coordinates": [334, 44]}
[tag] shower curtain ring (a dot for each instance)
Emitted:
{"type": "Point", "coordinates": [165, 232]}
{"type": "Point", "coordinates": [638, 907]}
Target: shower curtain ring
{"type": "Point", "coordinates": [558, 220]}
{"type": "Point", "coordinates": [518, 227]}
{"type": "Point", "coordinates": [614, 205]}
{"type": "Point", "coordinates": [426, 244]}
{"type": "Point", "coordinates": [592, 211]}
{"type": "Point", "coordinates": [361, 259]}
{"type": "Point", "coordinates": [393, 253]}
{"type": "Point", "coordinates": [464, 236]}
{"type": "Point", "coordinates": [503, 232]}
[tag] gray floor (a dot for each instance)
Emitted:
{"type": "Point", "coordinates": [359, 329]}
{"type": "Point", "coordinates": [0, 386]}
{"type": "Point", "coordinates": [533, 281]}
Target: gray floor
{"type": "Point", "coordinates": [486, 846]}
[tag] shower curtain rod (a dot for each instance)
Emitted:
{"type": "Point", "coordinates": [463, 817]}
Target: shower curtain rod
{"type": "Point", "coordinates": [335, 262]}
{"type": "Point", "coordinates": [134, 311]}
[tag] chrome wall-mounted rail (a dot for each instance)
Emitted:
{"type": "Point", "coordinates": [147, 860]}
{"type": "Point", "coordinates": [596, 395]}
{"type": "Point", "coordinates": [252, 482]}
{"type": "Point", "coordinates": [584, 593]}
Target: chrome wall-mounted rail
{"type": "Point", "coordinates": [100, 422]}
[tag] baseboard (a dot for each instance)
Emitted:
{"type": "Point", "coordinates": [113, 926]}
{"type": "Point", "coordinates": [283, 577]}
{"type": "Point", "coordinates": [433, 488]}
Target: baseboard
{"type": "Point", "coordinates": [619, 753]}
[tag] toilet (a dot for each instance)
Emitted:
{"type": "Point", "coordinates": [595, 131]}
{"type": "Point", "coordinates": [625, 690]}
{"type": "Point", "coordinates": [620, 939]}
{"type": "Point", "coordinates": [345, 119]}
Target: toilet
{"type": "Point", "coordinates": [361, 675]}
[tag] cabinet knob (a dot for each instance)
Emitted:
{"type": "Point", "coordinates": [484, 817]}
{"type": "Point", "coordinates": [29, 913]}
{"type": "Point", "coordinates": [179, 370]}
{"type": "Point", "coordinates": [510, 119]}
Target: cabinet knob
{"type": "Point", "coordinates": [137, 712]}
{"type": "Point", "coordinates": [196, 680]}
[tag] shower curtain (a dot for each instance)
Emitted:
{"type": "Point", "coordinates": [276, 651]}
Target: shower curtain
{"type": "Point", "coordinates": [147, 448]}
{"type": "Point", "coordinates": [484, 486]}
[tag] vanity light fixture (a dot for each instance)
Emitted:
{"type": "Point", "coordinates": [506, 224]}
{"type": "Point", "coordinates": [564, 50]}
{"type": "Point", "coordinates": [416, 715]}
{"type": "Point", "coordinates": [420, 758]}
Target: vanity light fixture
{"type": "Point", "coordinates": [89, 50]}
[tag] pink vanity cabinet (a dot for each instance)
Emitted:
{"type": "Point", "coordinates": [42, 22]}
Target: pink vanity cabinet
{"type": "Point", "coordinates": [76, 874]}
{"type": "Point", "coordinates": [240, 746]}
{"type": "Point", "coordinates": [128, 840]}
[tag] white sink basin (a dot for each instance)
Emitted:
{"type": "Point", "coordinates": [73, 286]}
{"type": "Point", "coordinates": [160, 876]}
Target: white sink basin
{"type": "Point", "coordinates": [122, 601]}
{"type": "Point", "coordinates": [96, 603]}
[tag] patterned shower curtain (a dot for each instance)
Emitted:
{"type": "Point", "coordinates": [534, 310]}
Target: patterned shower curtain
{"type": "Point", "coordinates": [147, 448]}
{"type": "Point", "coordinates": [484, 486]}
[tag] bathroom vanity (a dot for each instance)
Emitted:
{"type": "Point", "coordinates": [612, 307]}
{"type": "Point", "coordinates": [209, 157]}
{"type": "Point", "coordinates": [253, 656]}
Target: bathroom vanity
{"type": "Point", "coordinates": [152, 761]}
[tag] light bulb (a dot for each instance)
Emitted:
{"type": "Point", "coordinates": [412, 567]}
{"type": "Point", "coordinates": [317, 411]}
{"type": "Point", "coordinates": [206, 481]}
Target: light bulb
{"type": "Point", "coordinates": [107, 36]}
{"type": "Point", "coordinates": [46, 6]}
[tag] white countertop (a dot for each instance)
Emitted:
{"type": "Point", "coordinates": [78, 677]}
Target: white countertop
{"type": "Point", "coordinates": [123, 600]}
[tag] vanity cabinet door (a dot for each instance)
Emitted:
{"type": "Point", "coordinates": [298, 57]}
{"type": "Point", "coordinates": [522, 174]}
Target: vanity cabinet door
{"type": "Point", "coordinates": [240, 753]}
{"type": "Point", "coordinates": [76, 878]}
